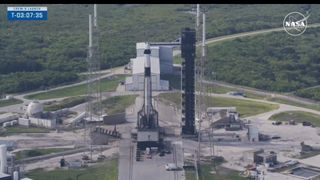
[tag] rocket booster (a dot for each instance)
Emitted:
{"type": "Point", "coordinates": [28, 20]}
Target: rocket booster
{"type": "Point", "coordinates": [147, 84]}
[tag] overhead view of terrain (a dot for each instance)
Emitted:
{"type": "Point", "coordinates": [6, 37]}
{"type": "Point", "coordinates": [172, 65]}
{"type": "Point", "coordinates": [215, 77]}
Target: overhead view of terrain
{"type": "Point", "coordinates": [159, 91]}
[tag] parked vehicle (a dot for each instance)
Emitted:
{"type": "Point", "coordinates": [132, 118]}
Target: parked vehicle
{"type": "Point", "coordinates": [171, 167]}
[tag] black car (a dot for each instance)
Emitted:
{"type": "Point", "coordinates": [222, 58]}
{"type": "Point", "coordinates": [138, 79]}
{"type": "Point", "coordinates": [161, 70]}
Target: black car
{"type": "Point", "coordinates": [275, 137]}
{"type": "Point", "coordinates": [306, 123]}
{"type": "Point", "coordinates": [277, 123]}
{"type": "Point", "coordinates": [161, 153]}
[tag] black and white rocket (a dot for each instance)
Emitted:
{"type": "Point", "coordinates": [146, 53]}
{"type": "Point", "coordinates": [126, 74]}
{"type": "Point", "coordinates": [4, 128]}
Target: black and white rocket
{"type": "Point", "coordinates": [147, 116]}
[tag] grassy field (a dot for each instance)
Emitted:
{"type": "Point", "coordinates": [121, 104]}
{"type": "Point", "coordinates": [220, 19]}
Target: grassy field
{"type": "Point", "coordinates": [66, 103]}
{"type": "Point", "coordinates": [297, 116]}
{"type": "Point", "coordinates": [20, 129]}
{"type": "Point", "coordinates": [108, 170]}
{"type": "Point", "coordinates": [244, 107]}
{"type": "Point", "coordinates": [214, 88]}
{"type": "Point", "coordinates": [294, 103]}
{"type": "Point", "coordinates": [37, 152]}
{"type": "Point", "coordinates": [177, 59]}
{"type": "Point", "coordinates": [9, 102]}
{"type": "Point", "coordinates": [222, 174]}
{"type": "Point", "coordinates": [117, 104]}
{"type": "Point", "coordinates": [222, 90]}
{"type": "Point", "coordinates": [106, 85]}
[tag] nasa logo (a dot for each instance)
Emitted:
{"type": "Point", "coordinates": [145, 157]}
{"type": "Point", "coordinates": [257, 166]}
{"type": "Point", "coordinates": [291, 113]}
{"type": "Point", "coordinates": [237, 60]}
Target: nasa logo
{"type": "Point", "coordinates": [295, 23]}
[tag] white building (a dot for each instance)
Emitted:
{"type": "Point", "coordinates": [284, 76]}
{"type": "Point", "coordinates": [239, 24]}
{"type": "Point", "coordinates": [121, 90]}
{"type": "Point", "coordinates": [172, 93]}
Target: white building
{"type": "Point", "coordinates": [161, 63]}
{"type": "Point", "coordinates": [39, 122]}
{"type": "Point", "coordinates": [163, 53]}
{"type": "Point", "coordinates": [253, 133]}
{"type": "Point", "coordinates": [47, 123]}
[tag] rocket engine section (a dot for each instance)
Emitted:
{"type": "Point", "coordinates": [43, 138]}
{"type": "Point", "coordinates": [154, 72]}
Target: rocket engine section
{"type": "Point", "coordinates": [147, 124]}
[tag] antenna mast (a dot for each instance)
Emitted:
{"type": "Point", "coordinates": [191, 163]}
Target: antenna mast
{"type": "Point", "coordinates": [93, 108]}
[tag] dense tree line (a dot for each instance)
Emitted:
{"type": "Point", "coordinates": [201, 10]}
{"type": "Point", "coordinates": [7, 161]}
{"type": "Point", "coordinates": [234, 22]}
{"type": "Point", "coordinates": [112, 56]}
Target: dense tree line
{"type": "Point", "coordinates": [274, 61]}
{"type": "Point", "coordinates": [24, 81]}
{"type": "Point", "coordinates": [60, 44]}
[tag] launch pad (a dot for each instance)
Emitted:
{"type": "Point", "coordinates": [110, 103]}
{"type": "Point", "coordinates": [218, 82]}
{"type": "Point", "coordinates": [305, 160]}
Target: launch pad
{"type": "Point", "coordinates": [148, 130]}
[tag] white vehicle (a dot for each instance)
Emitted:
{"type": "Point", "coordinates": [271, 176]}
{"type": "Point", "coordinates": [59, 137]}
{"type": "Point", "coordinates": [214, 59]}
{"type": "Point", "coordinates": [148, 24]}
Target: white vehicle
{"type": "Point", "coordinates": [171, 167]}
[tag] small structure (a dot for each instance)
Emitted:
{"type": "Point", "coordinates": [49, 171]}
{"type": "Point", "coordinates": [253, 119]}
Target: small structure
{"type": "Point", "coordinates": [228, 118]}
{"type": "Point", "coordinates": [8, 97]}
{"type": "Point", "coordinates": [24, 122]}
{"type": "Point", "coordinates": [261, 157]}
{"type": "Point", "coordinates": [3, 158]}
{"type": "Point", "coordinates": [212, 110]}
{"type": "Point", "coordinates": [36, 116]}
{"type": "Point", "coordinates": [75, 164]}
{"type": "Point", "coordinates": [253, 133]}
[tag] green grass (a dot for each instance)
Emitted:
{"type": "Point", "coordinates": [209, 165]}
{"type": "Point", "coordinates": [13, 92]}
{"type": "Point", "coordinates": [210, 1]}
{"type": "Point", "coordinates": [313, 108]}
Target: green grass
{"type": "Point", "coordinates": [244, 107]}
{"type": "Point", "coordinates": [297, 116]}
{"type": "Point", "coordinates": [20, 129]}
{"type": "Point", "coordinates": [37, 152]}
{"type": "Point", "coordinates": [221, 174]}
{"type": "Point", "coordinates": [66, 103]}
{"type": "Point", "coordinates": [106, 85]}
{"type": "Point", "coordinates": [9, 102]}
{"type": "Point", "coordinates": [294, 103]}
{"type": "Point", "coordinates": [222, 90]}
{"type": "Point", "coordinates": [108, 170]}
{"type": "Point", "coordinates": [177, 59]}
{"type": "Point", "coordinates": [217, 89]}
{"type": "Point", "coordinates": [117, 104]}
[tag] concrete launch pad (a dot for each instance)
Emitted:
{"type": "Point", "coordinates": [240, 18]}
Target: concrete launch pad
{"type": "Point", "coordinates": [149, 167]}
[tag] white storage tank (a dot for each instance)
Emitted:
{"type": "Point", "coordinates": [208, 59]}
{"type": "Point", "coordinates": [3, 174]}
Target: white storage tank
{"type": "Point", "coordinates": [253, 133]}
{"type": "Point", "coordinates": [15, 175]}
{"type": "Point", "coordinates": [3, 158]}
{"type": "Point", "coordinates": [34, 108]}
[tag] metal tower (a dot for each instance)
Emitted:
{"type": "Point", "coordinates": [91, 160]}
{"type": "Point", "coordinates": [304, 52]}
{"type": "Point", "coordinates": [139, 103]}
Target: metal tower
{"type": "Point", "coordinates": [200, 87]}
{"type": "Point", "coordinates": [93, 108]}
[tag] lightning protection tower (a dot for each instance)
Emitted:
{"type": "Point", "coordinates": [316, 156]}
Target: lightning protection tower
{"type": "Point", "coordinates": [93, 108]}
